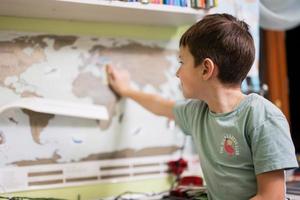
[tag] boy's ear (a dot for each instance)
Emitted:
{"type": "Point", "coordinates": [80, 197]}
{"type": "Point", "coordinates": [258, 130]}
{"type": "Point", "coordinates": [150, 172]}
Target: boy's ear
{"type": "Point", "coordinates": [208, 68]}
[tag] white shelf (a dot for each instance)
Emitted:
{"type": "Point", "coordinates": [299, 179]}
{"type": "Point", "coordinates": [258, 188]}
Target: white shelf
{"type": "Point", "coordinates": [102, 10]}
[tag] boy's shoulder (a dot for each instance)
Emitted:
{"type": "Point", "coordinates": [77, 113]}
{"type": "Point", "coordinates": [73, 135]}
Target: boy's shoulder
{"type": "Point", "coordinates": [258, 105]}
{"type": "Point", "coordinates": [259, 110]}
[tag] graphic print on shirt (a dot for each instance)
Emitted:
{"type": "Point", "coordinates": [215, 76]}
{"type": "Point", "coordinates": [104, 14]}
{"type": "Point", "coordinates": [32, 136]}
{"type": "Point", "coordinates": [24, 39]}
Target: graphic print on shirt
{"type": "Point", "coordinates": [229, 145]}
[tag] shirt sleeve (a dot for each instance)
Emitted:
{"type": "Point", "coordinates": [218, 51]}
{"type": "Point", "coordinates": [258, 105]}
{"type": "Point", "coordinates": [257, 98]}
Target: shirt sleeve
{"type": "Point", "coordinates": [272, 146]}
{"type": "Point", "coordinates": [181, 111]}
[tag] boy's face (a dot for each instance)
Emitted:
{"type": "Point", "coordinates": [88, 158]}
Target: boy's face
{"type": "Point", "coordinates": [188, 74]}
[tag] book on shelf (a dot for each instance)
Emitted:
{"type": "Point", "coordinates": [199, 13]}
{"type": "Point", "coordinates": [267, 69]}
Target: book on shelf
{"type": "Point", "coordinates": [198, 4]}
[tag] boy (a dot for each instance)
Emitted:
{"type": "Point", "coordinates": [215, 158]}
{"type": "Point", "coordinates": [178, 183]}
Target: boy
{"type": "Point", "coordinates": [243, 141]}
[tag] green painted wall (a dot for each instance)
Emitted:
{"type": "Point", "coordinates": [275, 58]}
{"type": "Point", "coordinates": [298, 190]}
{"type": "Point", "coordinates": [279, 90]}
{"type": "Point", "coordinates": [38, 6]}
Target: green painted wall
{"type": "Point", "coordinates": [93, 192]}
{"type": "Point", "coordinates": [62, 27]}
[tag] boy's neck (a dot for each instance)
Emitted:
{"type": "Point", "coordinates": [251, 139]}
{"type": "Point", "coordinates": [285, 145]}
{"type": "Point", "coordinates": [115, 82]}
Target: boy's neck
{"type": "Point", "coordinates": [223, 100]}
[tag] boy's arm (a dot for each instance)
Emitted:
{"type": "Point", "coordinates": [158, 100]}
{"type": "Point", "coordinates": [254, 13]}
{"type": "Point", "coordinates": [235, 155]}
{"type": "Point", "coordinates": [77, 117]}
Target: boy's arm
{"type": "Point", "coordinates": [270, 186]}
{"type": "Point", "coordinates": [120, 82]}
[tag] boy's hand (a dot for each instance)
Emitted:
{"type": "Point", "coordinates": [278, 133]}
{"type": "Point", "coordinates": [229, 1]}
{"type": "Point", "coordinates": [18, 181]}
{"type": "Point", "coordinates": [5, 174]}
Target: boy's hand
{"type": "Point", "coordinates": [119, 80]}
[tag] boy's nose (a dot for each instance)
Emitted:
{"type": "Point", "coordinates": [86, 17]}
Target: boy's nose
{"type": "Point", "coordinates": [177, 73]}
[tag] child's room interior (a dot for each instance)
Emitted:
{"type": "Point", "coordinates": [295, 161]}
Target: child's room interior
{"type": "Point", "coordinates": [66, 134]}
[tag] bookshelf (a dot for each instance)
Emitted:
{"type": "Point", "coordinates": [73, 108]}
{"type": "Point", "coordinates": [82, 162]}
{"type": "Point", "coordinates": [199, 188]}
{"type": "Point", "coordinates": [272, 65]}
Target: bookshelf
{"type": "Point", "coordinates": [102, 10]}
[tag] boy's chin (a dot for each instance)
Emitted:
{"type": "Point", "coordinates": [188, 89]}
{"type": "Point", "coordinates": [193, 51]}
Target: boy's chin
{"type": "Point", "coordinates": [189, 96]}
{"type": "Point", "coordinates": [185, 95]}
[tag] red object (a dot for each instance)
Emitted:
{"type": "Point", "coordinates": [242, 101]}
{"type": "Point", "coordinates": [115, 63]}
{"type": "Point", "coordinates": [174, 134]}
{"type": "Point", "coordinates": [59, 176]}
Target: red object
{"type": "Point", "coordinates": [184, 184]}
{"type": "Point", "coordinates": [178, 166]}
{"type": "Point", "coordinates": [228, 146]}
{"type": "Point", "coordinates": [191, 181]}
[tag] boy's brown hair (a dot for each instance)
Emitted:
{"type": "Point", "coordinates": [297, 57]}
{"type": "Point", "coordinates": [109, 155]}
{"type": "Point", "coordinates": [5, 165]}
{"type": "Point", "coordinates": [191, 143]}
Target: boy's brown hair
{"type": "Point", "coordinates": [226, 41]}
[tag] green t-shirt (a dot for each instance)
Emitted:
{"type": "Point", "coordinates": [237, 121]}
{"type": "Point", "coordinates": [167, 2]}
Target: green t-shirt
{"type": "Point", "coordinates": [234, 147]}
